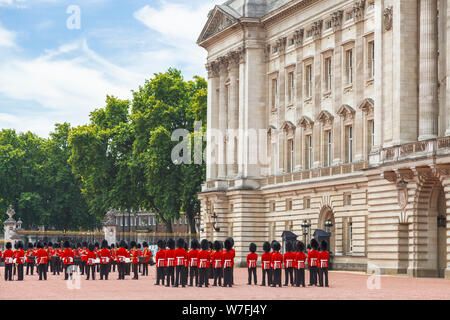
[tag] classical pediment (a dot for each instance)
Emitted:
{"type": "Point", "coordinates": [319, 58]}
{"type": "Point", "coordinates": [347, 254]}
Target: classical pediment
{"type": "Point", "coordinates": [325, 117]}
{"type": "Point", "coordinates": [287, 125]}
{"type": "Point", "coordinates": [346, 111]}
{"type": "Point", "coordinates": [305, 122]}
{"type": "Point", "coordinates": [367, 105]}
{"type": "Point", "coordinates": [219, 19]}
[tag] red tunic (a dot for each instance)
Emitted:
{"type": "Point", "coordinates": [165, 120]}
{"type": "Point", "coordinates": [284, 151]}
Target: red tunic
{"type": "Point", "coordinates": [300, 258]}
{"type": "Point", "coordinates": [105, 256]}
{"type": "Point", "coordinates": [30, 253]}
{"type": "Point", "coordinates": [180, 254]}
{"type": "Point", "coordinates": [288, 259]}
{"type": "Point", "coordinates": [170, 258]}
{"type": "Point", "coordinates": [83, 254]}
{"type": "Point", "coordinates": [251, 260]}
{"type": "Point", "coordinates": [160, 258]}
{"type": "Point", "coordinates": [324, 258]}
{"type": "Point", "coordinates": [217, 259]}
{"type": "Point", "coordinates": [147, 254]}
{"type": "Point", "coordinates": [193, 258]}
{"type": "Point", "coordinates": [228, 257]}
{"type": "Point", "coordinates": [8, 256]}
{"type": "Point", "coordinates": [135, 257]}
{"type": "Point", "coordinates": [67, 256]}
{"type": "Point", "coordinates": [121, 254]}
{"type": "Point", "coordinates": [42, 256]}
{"type": "Point", "coordinates": [266, 260]}
{"type": "Point", "coordinates": [20, 256]}
{"type": "Point", "coordinates": [91, 256]}
{"type": "Point", "coordinates": [313, 258]}
{"type": "Point", "coordinates": [277, 260]}
{"type": "Point", "coordinates": [203, 259]}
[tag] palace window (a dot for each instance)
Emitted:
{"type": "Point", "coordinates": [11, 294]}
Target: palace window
{"type": "Point", "coordinates": [308, 152]}
{"type": "Point", "coordinates": [371, 59]}
{"type": "Point", "coordinates": [308, 81]}
{"type": "Point", "coordinates": [371, 135]}
{"type": "Point", "coordinates": [274, 93]}
{"type": "Point", "coordinates": [291, 42]}
{"type": "Point", "coordinates": [291, 87]}
{"type": "Point", "coordinates": [309, 34]}
{"type": "Point", "coordinates": [328, 74]}
{"type": "Point", "coordinates": [350, 236]}
{"type": "Point", "coordinates": [272, 206]}
{"type": "Point", "coordinates": [347, 199]}
{"type": "Point", "coordinates": [289, 205]}
{"type": "Point", "coordinates": [328, 25]}
{"type": "Point", "coordinates": [328, 149]}
{"type": "Point", "coordinates": [349, 143]}
{"type": "Point", "coordinates": [306, 203]}
{"type": "Point", "coordinates": [349, 15]}
{"type": "Point", "coordinates": [349, 67]}
{"type": "Point", "coordinates": [290, 156]}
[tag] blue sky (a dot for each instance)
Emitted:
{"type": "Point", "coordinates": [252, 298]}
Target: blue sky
{"type": "Point", "coordinates": [51, 73]}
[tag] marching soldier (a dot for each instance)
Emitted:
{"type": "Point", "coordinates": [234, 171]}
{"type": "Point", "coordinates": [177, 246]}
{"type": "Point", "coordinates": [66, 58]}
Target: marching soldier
{"type": "Point", "coordinates": [203, 263]}
{"type": "Point", "coordinates": [252, 257]}
{"type": "Point", "coordinates": [233, 254]}
{"type": "Point", "coordinates": [20, 260]}
{"type": "Point", "coordinates": [277, 261]}
{"type": "Point", "coordinates": [83, 255]}
{"type": "Point", "coordinates": [266, 264]}
{"type": "Point", "coordinates": [170, 262]}
{"type": "Point", "coordinates": [324, 258]}
{"type": "Point", "coordinates": [300, 263]}
{"type": "Point", "coordinates": [288, 259]}
{"type": "Point", "coordinates": [186, 265]}
{"type": "Point", "coordinates": [313, 262]}
{"type": "Point", "coordinates": [105, 259]}
{"type": "Point", "coordinates": [91, 261]}
{"type": "Point", "coordinates": [180, 254]}
{"type": "Point", "coordinates": [8, 257]}
{"type": "Point", "coordinates": [30, 258]}
{"type": "Point", "coordinates": [193, 262]}
{"type": "Point", "coordinates": [217, 263]}
{"type": "Point", "coordinates": [160, 258]}
{"type": "Point", "coordinates": [67, 258]}
{"type": "Point", "coordinates": [113, 258]}
{"type": "Point", "coordinates": [135, 260]}
{"type": "Point", "coordinates": [228, 258]}
{"type": "Point", "coordinates": [121, 256]}
{"type": "Point", "coordinates": [148, 255]}
{"type": "Point", "coordinates": [42, 260]}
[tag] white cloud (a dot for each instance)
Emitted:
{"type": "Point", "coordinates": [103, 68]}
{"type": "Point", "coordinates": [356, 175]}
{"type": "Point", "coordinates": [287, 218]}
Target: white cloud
{"type": "Point", "coordinates": [7, 38]}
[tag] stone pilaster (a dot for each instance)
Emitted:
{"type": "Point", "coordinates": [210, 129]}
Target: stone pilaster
{"type": "Point", "coordinates": [223, 118]}
{"type": "Point", "coordinates": [233, 116]}
{"type": "Point", "coordinates": [379, 106]}
{"type": "Point", "coordinates": [447, 132]}
{"type": "Point", "coordinates": [428, 67]}
{"type": "Point", "coordinates": [213, 121]}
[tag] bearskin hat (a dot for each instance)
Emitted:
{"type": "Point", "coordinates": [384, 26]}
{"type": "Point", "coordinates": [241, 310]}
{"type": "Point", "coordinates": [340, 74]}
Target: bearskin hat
{"type": "Point", "coordinates": [314, 244]}
{"type": "Point", "coordinates": [204, 244]}
{"type": "Point", "coordinates": [112, 246]}
{"type": "Point", "coordinates": [123, 244]}
{"type": "Point", "coordinates": [194, 244]}
{"type": "Point", "coordinates": [91, 247]}
{"type": "Point", "coordinates": [180, 243]}
{"type": "Point", "coordinates": [272, 243]}
{"type": "Point", "coordinates": [211, 245]}
{"type": "Point", "coordinates": [30, 245]}
{"type": "Point", "coordinates": [50, 244]}
{"type": "Point", "coordinates": [104, 244]}
{"type": "Point", "coordinates": [85, 244]}
{"type": "Point", "coordinates": [78, 245]}
{"type": "Point", "coordinates": [20, 245]}
{"type": "Point", "coordinates": [231, 240]}
{"type": "Point", "coordinates": [289, 246]}
{"type": "Point", "coordinates": [145, 244]}
{"type": "Point", "coordinates": [8, 245]}
{"type": "Point", "coordinates": [66, 244]}
{"type": "Point", "coordinates": [324, 245]}
{"type": "Point", "coordinates": [96, 245]}
{"type": "Point", "coordinates": [132, 244]}
{"type": "Point", "coordinates": [276, 246]}
{"type": "Point", "coordinates": [161, 244]}
{"type": "Point", "coordinates": [228, 244]}
{"type": "Point", "coordinates": [39, 245]}
{"type": "Point", "coordinates": [266, 246]}
{"type": "Point", "coordinates": [171, 244]}
{"type": "Point", "coordinates": [138, 245]}
{"type": "Point", "coordinates": [217, 245]}
{"type": "Point", "coordinates": [252, 247]}
{"type": "Point", "coordinates": [300, 246]}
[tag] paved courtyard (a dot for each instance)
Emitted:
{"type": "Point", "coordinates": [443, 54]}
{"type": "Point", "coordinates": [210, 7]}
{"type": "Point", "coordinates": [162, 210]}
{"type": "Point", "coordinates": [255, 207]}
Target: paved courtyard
{"type": "Point", "coordinates": [344, 285]}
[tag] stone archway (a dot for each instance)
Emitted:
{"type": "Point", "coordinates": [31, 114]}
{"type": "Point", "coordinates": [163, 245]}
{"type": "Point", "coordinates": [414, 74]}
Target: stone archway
{"type": "Point", "coordinates": [326, 213]}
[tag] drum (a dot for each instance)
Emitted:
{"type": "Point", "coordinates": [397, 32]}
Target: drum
{"type": "Point", "coordinates": [142, 259]}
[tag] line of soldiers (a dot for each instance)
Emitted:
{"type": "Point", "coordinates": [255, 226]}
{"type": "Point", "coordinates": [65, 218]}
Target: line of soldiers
{"type": "Point", "coordinates": [294, 264]}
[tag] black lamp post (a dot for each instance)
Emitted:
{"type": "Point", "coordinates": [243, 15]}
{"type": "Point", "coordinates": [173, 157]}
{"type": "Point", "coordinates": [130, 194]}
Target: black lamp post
{"type": "Point", "coordinates": [305, 227]}
{"type": "Point", "coordinates": [214, 221]}
{"type": "Point", "coordinates": [441, 221]}
{"type": "Point", "coordinates": [328, 226]}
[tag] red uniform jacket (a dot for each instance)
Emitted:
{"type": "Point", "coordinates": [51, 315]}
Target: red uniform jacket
{"type": "Point", "coordinates": [193, 258]}
{"type": "Point", "coordinates": [160, 258]}
{"type": "Point", "coordinates": [30, 253]}
{"type": "Point", "coordinates": [203, 259]}
{"type": "Point", "coordinates": [91, 256]}
{"type": "Point", "coordinates": [136, 254]}
{"type": "Point", "coordinates": [42, 256]}
{"type": "Point", "coordinates": [170, 258]}
{"type": "Point", "coordinates": [112, 254]}
{"type": "Point", "coordinates": [300, 260]}
{"type": "Point", "coordinates": [147, 254]}
{"type": "Point", "coordinates": [266, 260]}
{"type": "Point", "coordinates": [67, 256]}
{"type": "Point", "coordinates": [217, 259]}
{"type": "Point", "coordinates": [180, 254]}
{"type": "Point", "coordinates": [20, 256]}
{"type": "Point", "coordinates": [277, 260]}
{"type": "Point", "coordinates": [105, 256]}
{"type": "Point", "coordinates": [121, 254]}
{"type": "Point", "coordinates": [83, 254]}
{"type": "Point", "coordinates": [228, 258]}
{"type": "Point", "coordinates": [288, 259]}
{"type": "Point", "coordinates": [324, 258]}
{"type": "Point", "coordinates": [8, 256]}
{"type": "Point", "coordinates": [313, 258]}
{"type": "Point", "coordinates": [251, 260]}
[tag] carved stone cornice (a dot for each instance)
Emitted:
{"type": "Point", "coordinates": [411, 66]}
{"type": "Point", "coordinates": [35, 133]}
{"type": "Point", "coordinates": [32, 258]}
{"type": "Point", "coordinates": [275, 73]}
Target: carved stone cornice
{"type": "Point", "coordinates": [367, 106]}
{"type": "Point", "coordinates": [305, 123]}
{"type": "Point", "coordinates": [336, 19]}
{"type": "Point", "coordinates": [388, 18]}
{"type": "Point", "coordinates": [441, 171]}
{"type": "Point", "coordinates": [346, 112]}
{"type": "Point", "coordinates": [281, 44]}
{"type": "Point", "coordinates": [325, 118]}
{"type": "Point", "coordinates": [358, 10]}
{"type": "Point", "coordinates": [223, 63]}
{"type": "Point", "coordinates": [317, 29]}
{"type": "Point", "coordinates": [212, 69]}
{"type": "Point", "coordinates": [298, 37]}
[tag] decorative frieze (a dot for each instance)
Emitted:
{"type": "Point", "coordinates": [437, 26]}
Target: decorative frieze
{"type": "Point", "coordinates": [317, 29]}
{"type": "Point", "coordinates": [358, 10]}
{"type": "Point", "coordinates": [299, 36]}
{"type": "Point", "coordinates": [281, 44]}
{"type": "Point", "coordinates": [336, 20]}
{"type": "Point", "coordinates": [213, 69]}
{"type": "Point", "coordinates": [388, 18]}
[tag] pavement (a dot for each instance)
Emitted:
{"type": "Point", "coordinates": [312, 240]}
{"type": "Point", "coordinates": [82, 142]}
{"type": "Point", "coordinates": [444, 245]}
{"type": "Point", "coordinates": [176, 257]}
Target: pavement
{"type": "Point", "coordinates": [343, 286]}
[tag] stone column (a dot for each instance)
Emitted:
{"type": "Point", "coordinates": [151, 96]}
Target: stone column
{"type": "Point", "coordinates": [428, 67]}
{"type": "Point", "coordinates": [213, 121]}
{"type": "Point", "coordinates": [233, 116]}
{"type": "Point", "coordinates": [223, 118]}
{"type": "Point", "coordinates": [447, 132]}
{"type": "Point", "coordinates": [379, 105]}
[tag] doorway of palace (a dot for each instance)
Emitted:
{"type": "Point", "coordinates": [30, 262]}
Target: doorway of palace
{"type": "Point", "coordinates": [326, 214]}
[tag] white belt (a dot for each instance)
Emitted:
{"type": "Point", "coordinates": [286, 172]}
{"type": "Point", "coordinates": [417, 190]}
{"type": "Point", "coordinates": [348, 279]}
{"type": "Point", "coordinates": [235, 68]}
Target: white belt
{"type": "Point", "coordinates": [324, 263]}
{"type": "Point", "coordinates": [193, 262]}
{"type": "Point", "coordinates": [289, 263]}
{"type": "Point", "coordinates": [105, 260]}
{"type": "Point", "coordinates": [9, 260]}
{"type": "Point", "coordinates": [170, 262]}
{"type": "Point", "coordinates": [300, 264]}
{"type": "Point", "coordinates": [121, 258]}
{"type": "Point", "coordinates": [218, 264]}
{"type": "Point", "coordinates": [203, 263]}
{"type": "Point", "coordinates": [266, 265]}
{"type": "Point", "coordinates": [227, 264]}
{"type": "Point", "coordinates": [252, 264]}
{"type": "Point", "coordinates": [180, 261]}
{"type": "Point", "coordinates": [313, 262]}
{"type": "Point", "coordinates": [91, 261]}
{"type": "Point", "coordinates": [160, 262]}
{"type": "Point", "coordinates": [277, 264]}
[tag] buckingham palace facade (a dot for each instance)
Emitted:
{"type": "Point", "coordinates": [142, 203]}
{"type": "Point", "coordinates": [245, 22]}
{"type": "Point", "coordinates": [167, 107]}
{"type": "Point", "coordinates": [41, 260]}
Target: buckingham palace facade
{"type": "Point", "coordinates": [331, 114]}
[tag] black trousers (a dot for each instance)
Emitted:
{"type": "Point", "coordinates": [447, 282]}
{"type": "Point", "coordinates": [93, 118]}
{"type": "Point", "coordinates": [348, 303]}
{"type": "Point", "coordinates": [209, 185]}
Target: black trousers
{"type": "Point", "coordinates": [211, 272]}
{"type": "Point", "coordinates": [136, 271]}
{"type": "Point", "coordinates": [179, 276]}
{"type": "Point", "coordinates": [68, 269]}
{"type": "Point", "coordinates": [8, 272]}
{"type": "Point", "coordinates": [300, 277]}
{"type": "Point", "coordinates": [160, 275]}
{"type": "Point", "coordinates": [20, 272]}
{"type": "Point", "coordinates": [288, 276]}
{"type": "Point", "coordinates": [323, 273]}
{"type": "Point", "coordinates": [203, 277]}
{"type": "Point", "coordinates": [218, 274]}
{"type": "Point", "coordinates": [193, 274]}
{"type": "Point", "coordinates": [56, 266]}
{"type": "Point", "coordinates": [104, 271]}
{"type": "Point", "coordinates": [252, 271]}
{"type": "Point", "coordinates": [83, 267]}
{"type": "Point", "coordinates": [313, 276]}
{"type": "Point", "coordinates": [268, 273]}
{"type": "Point", "coordinates": [89, 270]}
{"type": "Point", "coordinates": [145, 269]}
{"type": "Point", "coordinates": [228, 277]}
{"type": "Point", "coordinates": [121, 269]}
{"type": "Point", "coordinates": [276, 277]}
{"type": "Point", "coordinates": [170, 273]}
{"type": "Point", "coordinates": [185, 275]}
{"type": "Point", "coordinates": [30, 266]}
{"type": "Point", "coordinates": [42, 270]}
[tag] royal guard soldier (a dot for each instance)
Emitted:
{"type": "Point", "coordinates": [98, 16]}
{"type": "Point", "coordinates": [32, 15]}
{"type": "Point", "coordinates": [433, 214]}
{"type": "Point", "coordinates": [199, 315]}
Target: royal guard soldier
{"type": "Point", "coordinates": [180, 254]}
{"type": "Point", "coordinates": [97, 252]}
{"type": "Point", "coordinates": [217, 263]}
{"type": "Point", "coordinates": [186, 265]}
{"type": "Point", "coordinates": [324, 258]}
{"type": "Point", "coordinates": [83, 255]}
{"type": "Point", "coordinates": [277, 262]}
{"type": "Point", "coordinates": [14, 264]}
{"type": "Point", "coordinates": [105, 259]}
{"type": "Point", "coordinates": [54, 259]}
{"type": "Point", "coordinates": [300, 264]}
{"type": "Point", "coordinates": [170, 262]}
{"type": "Point", "coordinates": [113, 263]}
{"type": "Point", "coordinates": [30, 259]}
{"type": "Point", "coordinates": [228, 257]}
{"type": "Point", "coordinates": [20, 260]}
{"type": "Point", "coordinates": [134, 259]}
{"type": "Point", "coordinates": [77, 256]}
{"type": "Point", "coordinates": [91, 262]}
{"type": "Point", "coordinates": [138, 247]}
{"type": "Point", "coordinates": [266, 258]}
{"type": "Point", "coordinates": [204, 258]}
{"type": "Point", "coordinates": [121, 256]}
{"type": "Point", "coordinates": [313, 262]}
{"type": "Point", "coordinates": [50, 254]}
{"type": "Point", "coordinates": [67, 257]}
{"type": "Point", "coordinates": [8, 257]}
{"type": "Point", "coordinates": [160, 259]}
{"type": "Point", "coordinates": [42, 261]}
{"type": "Point", "coordinates": [193, 262]}
{"type": "Point", "coordinates": [252, 258]}
{"type": "Point", "coordinates": [211, 267]}
{"type": "Point", "coordinates": [233, 253]}
{"type": "Point", "coordinates": [147, 255]}
{"type": "Point", "coordinates": [288, 259]}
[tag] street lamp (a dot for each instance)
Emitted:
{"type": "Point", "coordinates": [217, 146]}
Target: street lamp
{"type": "Point", "coordinates": [305, 227]}
{"type": "Point", "coordinates": [441, 221]}
{"type": "Point", "coordinates": [328, 226]}
{"type": "Point", "coordinates": [214, 221]}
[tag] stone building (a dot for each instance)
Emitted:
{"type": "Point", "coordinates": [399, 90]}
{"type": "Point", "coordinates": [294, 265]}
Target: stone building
{"type": "Point", "coordinates": [331, 111]}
